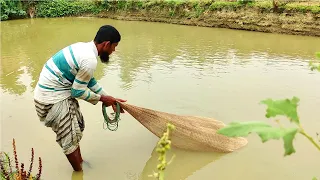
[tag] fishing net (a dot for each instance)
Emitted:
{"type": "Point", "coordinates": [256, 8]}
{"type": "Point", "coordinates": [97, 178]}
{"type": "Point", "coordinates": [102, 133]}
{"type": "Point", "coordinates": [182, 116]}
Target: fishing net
{"type": "Point", "coordinates": [191, 132]}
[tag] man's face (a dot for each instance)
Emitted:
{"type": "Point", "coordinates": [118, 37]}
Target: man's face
{"type": "Point", "coordinates": [107, 50]}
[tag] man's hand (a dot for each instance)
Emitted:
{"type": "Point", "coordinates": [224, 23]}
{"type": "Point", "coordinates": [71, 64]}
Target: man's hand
{"type": "Point", "coordinates": [111, 101]}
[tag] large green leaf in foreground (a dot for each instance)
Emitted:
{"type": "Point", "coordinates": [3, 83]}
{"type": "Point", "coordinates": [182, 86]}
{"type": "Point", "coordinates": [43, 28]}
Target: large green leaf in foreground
{"type": "Point", "coordinates": [285, 107]}
{"type": "Point", "coordinates": [264, 130]}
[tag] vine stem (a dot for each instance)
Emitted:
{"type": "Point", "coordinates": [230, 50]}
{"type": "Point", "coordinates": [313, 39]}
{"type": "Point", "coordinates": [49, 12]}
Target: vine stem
{"type": "Point", "coordinates": [309, 137]}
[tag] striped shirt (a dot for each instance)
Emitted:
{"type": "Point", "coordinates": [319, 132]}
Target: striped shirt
{"type": "Point", "coordinates": [69, 73]}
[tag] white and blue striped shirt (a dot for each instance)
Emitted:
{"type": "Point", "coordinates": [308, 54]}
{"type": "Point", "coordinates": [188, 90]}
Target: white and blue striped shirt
{"type": "Point", "coordinates": [70, 73]}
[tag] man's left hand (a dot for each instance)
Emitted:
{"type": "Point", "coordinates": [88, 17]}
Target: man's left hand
{"type": "Point", "coordinates": [114, 107]}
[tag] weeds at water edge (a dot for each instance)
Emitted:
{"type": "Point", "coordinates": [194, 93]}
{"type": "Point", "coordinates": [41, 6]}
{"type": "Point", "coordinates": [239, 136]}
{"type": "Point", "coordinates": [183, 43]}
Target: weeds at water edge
{"type": "Point", "coordinates": [7, 172]}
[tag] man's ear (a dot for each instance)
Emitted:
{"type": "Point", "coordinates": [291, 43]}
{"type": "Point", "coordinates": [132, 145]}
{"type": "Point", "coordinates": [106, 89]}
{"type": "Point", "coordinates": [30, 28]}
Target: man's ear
{"type": "Point", "coordinates": [106, 44]}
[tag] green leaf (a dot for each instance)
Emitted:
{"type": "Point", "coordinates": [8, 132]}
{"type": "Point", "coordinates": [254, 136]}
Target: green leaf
{"type": "Point", "coordinates": [314, 178]}
{"type": "Point", "coordinates": [286, 107]}
{"type": "Point", "coordinates": [288, 141]}
{"type": "Point", "coordinates": [272, 133]}
{"type": "Point", "coordinates": [264, 130]}
{"type": "Point", "coordinates": [241, 129]}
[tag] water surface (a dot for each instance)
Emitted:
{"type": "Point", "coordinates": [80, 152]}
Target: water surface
{"type": "Point", "coordinates": [217, 73]}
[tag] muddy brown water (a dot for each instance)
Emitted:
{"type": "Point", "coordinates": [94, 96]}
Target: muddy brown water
{"type": "Point", "coordinates": [217, 73]}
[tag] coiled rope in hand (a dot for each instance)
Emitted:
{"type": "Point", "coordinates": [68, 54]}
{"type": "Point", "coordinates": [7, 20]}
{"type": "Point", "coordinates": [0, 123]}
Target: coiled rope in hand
{"type": "Point", "coordinates": [112, 124]}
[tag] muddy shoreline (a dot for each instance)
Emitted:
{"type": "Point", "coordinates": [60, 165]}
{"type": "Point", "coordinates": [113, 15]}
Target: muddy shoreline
{"type": "Point", "coordinates": [295, 18]}
{"type": "Point", "coordinates": [306, 24]}
{"type": "Point", "coordinates": [251, 18]}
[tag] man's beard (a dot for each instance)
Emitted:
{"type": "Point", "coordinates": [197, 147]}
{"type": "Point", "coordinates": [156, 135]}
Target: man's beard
{"type": "Point", "coordinates": [104, 56]}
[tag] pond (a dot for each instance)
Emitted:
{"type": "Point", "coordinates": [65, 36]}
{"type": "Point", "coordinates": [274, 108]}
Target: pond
{"type": "Point", "coordinates": [218, 73]}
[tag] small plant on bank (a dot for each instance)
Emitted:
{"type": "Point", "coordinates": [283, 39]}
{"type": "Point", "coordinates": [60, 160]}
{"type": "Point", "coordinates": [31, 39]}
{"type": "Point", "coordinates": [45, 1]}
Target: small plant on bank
{"type": "Point", "coordinates": [20, 173]}
{"type": "Point", "coordinates": [164, 144]}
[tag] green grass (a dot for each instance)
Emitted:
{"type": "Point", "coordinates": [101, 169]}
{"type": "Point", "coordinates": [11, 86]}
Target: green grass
{"type": "Point", "coordinates": [303, 8]}
{"type": "Point", "coordinates": [219, 5]}
{"type": "Point", "coordinates": [61, 8]}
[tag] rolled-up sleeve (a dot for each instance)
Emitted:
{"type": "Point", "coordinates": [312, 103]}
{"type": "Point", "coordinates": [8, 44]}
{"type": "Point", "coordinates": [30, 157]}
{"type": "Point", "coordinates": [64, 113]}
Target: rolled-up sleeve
{"type": "Point", "coordinates": [94, 86]}
{"type": "Point", "coordinates": [82, 81]}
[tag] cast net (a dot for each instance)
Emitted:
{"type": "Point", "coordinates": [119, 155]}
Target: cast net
{"type": "Point", "coordinates": [191, 132]}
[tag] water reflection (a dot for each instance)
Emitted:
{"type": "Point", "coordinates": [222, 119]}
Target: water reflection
{"type": "Point", "coordinates": [31, 42]}
{"type": "Point", "coordinates": [16, 81]}
{"type": "Point", "coordinates": [145, 46]}
{"type": "Point", "coordinates": [183, 165]}
{"type": "Point", "coordinates": [77, 175]}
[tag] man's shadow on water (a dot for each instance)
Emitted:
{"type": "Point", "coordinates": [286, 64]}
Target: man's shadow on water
{"type": "Point", "coordinates": [183, 165]}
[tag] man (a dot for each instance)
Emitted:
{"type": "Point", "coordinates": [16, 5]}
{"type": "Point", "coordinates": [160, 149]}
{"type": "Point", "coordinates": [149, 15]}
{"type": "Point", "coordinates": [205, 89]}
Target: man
{"type": "Point", "coordinates": [68, 75]}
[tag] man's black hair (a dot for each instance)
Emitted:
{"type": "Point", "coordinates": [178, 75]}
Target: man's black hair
{"type": "Point", "coordinates": [107, 33]}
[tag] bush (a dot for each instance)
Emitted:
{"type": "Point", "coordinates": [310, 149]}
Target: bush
{"type": "Point", "coordinates": [60, 8]}
{"type": "Point", "coordinates": [11, 9]}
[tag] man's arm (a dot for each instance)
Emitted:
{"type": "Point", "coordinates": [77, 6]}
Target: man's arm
{"type": "Point", "coordinates": [94, 86]}
{"type": "Point", "coordinates": [80, 86]}
{"type": "Point", "coordinates": [83, 79]}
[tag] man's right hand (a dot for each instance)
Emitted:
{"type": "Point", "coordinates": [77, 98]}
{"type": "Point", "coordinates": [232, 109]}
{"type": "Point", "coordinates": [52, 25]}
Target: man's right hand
{"type": "Point", "coordinates": [111, 101]}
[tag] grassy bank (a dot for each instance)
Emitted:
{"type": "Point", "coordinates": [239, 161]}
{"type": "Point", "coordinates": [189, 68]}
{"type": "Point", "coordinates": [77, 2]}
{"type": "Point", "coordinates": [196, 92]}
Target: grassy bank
{"type": "Point", "coordinates": [265, 16]}
{"type": "Point", "coordinates": [289, 18]}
